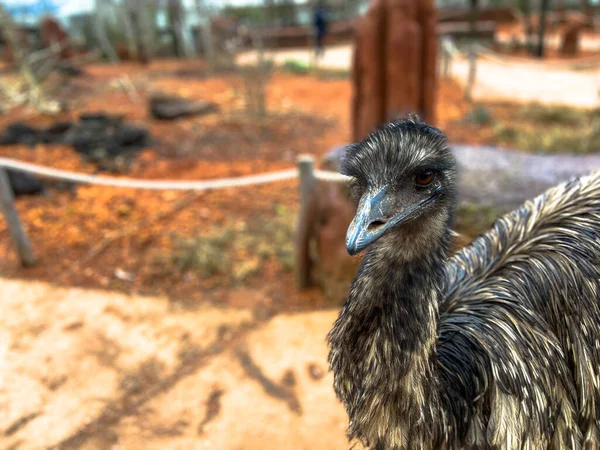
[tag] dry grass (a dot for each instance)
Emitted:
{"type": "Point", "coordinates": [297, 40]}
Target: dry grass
{"type": "Point", "coordinates": [297, 67]}
{"type": "Point", "coordinates": [551, 129]}
{"type": "Point", "coordinates": [256, 80]}
{"type": "Point", "coordinates": [479, 115]}
{"type": "Point", "coordinates": [559, 115]}
{"type": "Point", "coordinates": [241, 250]}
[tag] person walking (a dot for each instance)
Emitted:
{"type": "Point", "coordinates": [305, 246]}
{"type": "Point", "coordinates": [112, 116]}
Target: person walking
{"type": "Point", "coordinates": [320, 23]}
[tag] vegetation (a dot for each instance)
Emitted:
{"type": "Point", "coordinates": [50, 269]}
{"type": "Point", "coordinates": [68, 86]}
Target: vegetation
{"type": "Point", "coordinates": [241, 250]}
{"type": "Point", "coordinates": [333, 74]}
{"type": "Point", "coordinates": [564, 129]}
{"type": "Point", "coordinates": [479, 115]}
{"type": "Point", "coordinates": [473, 219]}
{"type": "Point", "coordinates": [285, 12]}
{"type": "Point", "coordinates": [537, 128]}
{"type": "Point", "coordinates": [256, 78]}
{"type": "Point", "coordinates": [296, 67]}
{"type": "Point", "coordinates": [560, 115]}
{"type": "Point", "coordinates": [299, 67]}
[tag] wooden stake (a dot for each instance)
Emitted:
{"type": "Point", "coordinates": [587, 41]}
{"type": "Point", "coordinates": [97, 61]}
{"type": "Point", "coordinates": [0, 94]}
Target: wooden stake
{"type": "Point", "coordinates": [15, 227]}
{"type": "Point", "coordinates": [305, 220]}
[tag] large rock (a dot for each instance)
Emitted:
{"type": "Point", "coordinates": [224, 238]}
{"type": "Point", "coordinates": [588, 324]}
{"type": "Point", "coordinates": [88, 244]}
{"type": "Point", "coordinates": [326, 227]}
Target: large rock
{"type": "Point", "coordinates": [170, 107]}
{"type": "Point", "coordinates": [24, 183]}
{"type": "Point", "coordinates": [19, 133]}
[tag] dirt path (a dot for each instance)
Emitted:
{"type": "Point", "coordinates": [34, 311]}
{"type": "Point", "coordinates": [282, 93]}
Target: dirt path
{"type": "Point", "coordinates": [531, 83]}
{"type": "Point", "coordinates": [495, 81]}
{"type": "Point", "coordinates": [335, 57]}
{"type": "Point", "coordinates": [87, 369]}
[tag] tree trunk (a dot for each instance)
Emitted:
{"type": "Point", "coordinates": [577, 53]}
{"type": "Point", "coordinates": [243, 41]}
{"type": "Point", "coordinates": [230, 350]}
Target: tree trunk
{"type": "Point", "coordinates": [102, 37]}
{"type": "Point", "coordinates": [269, 13]}
{"type": "Point", "coordinates": [586, 6]}
{"type": "Point", "coordinates": [205, 40]}
{"type": "Point", "coordinates": [561, 12]}
{"type": "Point", "coordinates": [130, 34]}
{"type": "Point", "coordinates": [542, 28]}
{"type": "Point", "coordinates": [588, 10]}
{"type": "Point", "coordinates": [137, 12]}
{"type": "Point", "coordinates": [528, 27]}
{"type": "Point", "coordinates": [472, 54]}
{"type": "Point", "coordinates": [175, 25]}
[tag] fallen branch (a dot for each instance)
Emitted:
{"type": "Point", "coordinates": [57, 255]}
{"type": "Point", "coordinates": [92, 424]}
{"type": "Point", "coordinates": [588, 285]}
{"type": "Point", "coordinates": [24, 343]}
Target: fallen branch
{"type": "Point", "coordinates": [129, 88]}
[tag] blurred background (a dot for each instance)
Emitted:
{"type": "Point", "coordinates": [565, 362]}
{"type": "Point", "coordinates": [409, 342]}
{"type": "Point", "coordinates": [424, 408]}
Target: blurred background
{"type": "Point", "coordinates": [193, 315]}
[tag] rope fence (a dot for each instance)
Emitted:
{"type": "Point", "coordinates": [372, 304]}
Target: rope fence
{"type": "Point", "coordinates": [178, 185]}
{"type": "Point", "coordinates": [305, 172]}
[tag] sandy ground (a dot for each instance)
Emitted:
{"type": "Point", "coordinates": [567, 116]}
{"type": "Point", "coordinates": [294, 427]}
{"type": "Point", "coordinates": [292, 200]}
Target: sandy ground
{"type": "Point", "coordinates": [527, 82]}
{"type": "Point", "coordinates": [136, 372]}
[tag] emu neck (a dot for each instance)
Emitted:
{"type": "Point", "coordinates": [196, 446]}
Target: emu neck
{"type": "Point", "coordinates": [383, 347]}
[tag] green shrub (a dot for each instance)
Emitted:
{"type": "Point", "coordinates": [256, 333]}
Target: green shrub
{"type": "Point", "coordinates": [296, 67]}
{"type": "Point", "coordinates": [505, 133]}
{"type": "Point", "coordinates": [479, 115]}
{"type": "Point", "coordinates": [559, 115]}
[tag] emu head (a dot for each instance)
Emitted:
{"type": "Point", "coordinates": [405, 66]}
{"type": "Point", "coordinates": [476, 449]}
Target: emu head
{"type": "Point", "coordinates": [404, 183]}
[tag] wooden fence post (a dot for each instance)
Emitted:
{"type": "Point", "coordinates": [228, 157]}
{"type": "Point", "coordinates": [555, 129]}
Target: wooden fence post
{"type": "Point", "coordinates": [304, 228]}
{"type": "Point", "coordinates": [15, 227]}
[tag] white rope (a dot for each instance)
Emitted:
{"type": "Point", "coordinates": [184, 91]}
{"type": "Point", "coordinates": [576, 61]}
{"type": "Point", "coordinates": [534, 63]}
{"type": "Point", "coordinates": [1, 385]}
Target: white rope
{"type": "Point", "coordinates": [326, 175]}
{"type": "Point", "coordinates": [147, 184]}
{"type": "Point", "coordinates": [163, 184]}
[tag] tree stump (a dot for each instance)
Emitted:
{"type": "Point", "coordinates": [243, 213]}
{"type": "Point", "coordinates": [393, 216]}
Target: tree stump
{"type": "Point", "coordinates": [394, 68]}
{"type": "Point", "coordinates": [569, 45]}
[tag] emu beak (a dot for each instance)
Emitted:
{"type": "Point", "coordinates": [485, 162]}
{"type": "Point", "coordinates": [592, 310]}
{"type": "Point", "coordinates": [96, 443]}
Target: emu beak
{"type": "Point", "coordinates": [374, 217]}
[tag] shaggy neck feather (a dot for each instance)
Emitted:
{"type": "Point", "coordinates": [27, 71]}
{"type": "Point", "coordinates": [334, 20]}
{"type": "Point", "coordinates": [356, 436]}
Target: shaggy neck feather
{"type": "Point", "coordinates": [383, 347]}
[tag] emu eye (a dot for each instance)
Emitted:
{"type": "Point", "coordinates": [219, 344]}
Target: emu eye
{"type": "Point", "coordinates": [425, 178]}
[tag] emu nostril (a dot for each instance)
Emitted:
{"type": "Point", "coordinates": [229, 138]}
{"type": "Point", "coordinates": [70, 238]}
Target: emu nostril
{"type": "Point", "coordinates": [375, 225]}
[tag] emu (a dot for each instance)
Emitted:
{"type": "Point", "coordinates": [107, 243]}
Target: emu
{"type": "Point", "coordinates": [495, 347]}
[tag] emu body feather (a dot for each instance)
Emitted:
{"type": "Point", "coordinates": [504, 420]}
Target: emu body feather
{"type": "Point", "coordinates": [495, 347]}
